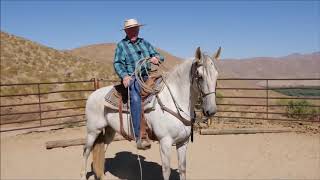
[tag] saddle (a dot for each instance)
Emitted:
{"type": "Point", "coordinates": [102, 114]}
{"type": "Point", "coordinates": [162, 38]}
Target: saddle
{"type": "Point", "coordinates": [117, 99]}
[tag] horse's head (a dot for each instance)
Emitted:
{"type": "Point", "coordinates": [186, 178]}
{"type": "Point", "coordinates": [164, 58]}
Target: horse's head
{"type": "Point", "coordinates": [204, 77]}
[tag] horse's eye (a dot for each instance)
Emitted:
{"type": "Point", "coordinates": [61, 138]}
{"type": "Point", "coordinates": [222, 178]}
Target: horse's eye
{"type": "Point", "coordinates": [198, 75]}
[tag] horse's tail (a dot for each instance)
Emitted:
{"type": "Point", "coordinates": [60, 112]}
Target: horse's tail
{"type": "Point", "coordinates": [98, 156]}
{"type": "Point", "coordinates": [98, 153]}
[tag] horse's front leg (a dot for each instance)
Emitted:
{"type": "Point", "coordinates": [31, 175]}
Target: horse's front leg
{"type": "Point", "coordinates": [182, 152]}
{"type": "Point", "coordinates": [165, 152]}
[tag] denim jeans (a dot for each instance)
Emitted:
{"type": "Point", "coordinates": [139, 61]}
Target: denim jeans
{"type": "Point", "coordinates": [135, 106]}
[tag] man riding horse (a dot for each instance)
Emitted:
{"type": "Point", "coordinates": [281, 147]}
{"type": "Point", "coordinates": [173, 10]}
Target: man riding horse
{"type": "Point", "coordinates": [128, 52]}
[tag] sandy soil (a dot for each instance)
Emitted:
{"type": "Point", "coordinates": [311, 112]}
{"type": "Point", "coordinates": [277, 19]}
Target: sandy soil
{"type": "Point", "coordinates": [259, 156]}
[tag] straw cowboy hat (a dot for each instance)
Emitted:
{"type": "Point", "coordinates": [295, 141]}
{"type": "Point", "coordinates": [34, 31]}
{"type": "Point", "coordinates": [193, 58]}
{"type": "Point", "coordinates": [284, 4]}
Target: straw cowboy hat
{"type": "Point", "coordinates": [129, 23]}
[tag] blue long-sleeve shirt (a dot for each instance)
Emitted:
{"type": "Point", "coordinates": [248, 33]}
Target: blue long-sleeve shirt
{"type": "Point", "coordinates": [127, 54]}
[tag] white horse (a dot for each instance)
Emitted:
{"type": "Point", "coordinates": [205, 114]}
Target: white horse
{"type": "Point", "coordinates": [184, 85]}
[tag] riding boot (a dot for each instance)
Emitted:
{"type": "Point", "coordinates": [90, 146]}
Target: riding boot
{"type": "Point", "coordinates": [143, 144]}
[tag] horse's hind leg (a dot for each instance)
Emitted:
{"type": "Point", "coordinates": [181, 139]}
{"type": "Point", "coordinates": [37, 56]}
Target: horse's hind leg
{"type": "Point", "coordinates": [91, 137]}
{"type": "Point", "coordinates": [109, 135]}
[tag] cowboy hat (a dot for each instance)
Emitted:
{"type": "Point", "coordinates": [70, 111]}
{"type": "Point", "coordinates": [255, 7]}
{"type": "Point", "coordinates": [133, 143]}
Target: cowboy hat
{"type": "Point", "coordinates": [129, 23]}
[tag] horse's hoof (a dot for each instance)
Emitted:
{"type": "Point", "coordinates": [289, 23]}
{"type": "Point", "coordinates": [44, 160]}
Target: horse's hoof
{"type": "Point", "coordinates": [83, 176]}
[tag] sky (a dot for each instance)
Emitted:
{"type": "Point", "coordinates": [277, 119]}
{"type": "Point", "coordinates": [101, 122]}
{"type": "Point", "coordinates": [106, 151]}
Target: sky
{"type": "Point", "coordinates": [242, 28]}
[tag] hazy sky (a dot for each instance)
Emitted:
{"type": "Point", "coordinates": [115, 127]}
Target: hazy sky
{"type": "Point", "coordinates": [242, 28]}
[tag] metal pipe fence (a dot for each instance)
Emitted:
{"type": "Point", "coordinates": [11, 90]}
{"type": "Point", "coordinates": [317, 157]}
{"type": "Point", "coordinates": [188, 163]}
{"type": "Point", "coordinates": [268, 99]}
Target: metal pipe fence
{"type": "Point", "coordinates": [35, 105]}
{"type": "Point", "coordinates": [53, 106]}
{"type": "Point", "coordinates": [268, 104]}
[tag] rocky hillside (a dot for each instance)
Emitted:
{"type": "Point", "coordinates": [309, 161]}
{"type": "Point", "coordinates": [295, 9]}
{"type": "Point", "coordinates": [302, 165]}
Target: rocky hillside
{"type": "Point", "coordinates": [24, 61]}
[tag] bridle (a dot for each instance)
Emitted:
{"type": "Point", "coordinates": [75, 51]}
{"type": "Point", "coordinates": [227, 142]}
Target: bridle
{"type": "Point", "coordinates": [196, 78]}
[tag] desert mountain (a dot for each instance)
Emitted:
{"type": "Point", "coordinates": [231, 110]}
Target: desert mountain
{"type": "Point", "coordinates": [104, 53]}
{"type": "Point", "coordinates": [24, 61]}
{"type": "Point", "coordinates": [291, 66]}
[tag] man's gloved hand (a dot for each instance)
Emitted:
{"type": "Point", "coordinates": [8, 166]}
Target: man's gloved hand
{"type": "Point", "coordinates": [154, 60]}
{"type": "Point", "coordinates": [126, 81]}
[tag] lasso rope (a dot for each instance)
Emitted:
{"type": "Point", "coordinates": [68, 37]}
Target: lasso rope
{"type": "Point", "coordinates": [141, 66]}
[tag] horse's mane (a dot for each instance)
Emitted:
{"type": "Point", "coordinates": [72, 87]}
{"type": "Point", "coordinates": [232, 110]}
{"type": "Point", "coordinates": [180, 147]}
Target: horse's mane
{"type": "Point", "coordinates": [179, 70]}
{"type": "Point", "coordinates": [185, 68]}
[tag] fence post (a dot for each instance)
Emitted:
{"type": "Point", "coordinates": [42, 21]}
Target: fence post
{"type": "Point", "coordinates": [94, 83]}
{"type": "Point", "coordinates": [39, 103]}
{"type": "Point", "coordinates": [267, 99]}
{"type": "Point", "coordinates": [98, 83]}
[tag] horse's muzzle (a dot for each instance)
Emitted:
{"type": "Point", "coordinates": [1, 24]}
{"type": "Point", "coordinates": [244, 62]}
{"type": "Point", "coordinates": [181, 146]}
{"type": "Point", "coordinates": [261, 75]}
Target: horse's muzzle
{"type": "Point", "coordinates": [209, 113]}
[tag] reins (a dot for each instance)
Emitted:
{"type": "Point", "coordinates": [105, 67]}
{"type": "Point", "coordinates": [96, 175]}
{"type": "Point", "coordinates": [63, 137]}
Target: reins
{"type": "Point", "coordinates": [143, 63]}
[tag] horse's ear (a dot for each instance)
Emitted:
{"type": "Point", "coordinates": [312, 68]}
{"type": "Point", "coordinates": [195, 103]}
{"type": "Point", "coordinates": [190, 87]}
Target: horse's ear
{"type": "Point", "coordinates": [198, 54]}
{"type": "Point", "coordinates": [216, 55]}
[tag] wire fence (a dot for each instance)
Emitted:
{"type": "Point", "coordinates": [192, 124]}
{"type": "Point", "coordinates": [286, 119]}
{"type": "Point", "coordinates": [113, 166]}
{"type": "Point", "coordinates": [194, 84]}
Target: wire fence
{"type": "Point", "coordinates": [36, 105]}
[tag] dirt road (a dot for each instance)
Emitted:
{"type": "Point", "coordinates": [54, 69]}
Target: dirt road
{"type": "Point", "coordinates": [259, 156]}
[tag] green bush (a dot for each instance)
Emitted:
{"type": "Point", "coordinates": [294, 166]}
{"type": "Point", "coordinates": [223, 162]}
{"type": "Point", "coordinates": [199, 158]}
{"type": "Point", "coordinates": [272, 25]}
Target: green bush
{"type": "Point", "coordinates": [300, 109]}
{"type": "Point", "coordinates": [302, 91]}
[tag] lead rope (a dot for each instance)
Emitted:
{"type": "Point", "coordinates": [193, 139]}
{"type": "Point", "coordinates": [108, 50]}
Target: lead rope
{"type": "Point", "coordinates": [134, 136]}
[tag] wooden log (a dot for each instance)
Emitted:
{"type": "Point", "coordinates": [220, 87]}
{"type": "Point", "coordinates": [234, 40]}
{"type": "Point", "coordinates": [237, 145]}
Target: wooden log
{"type": "Point", "coordinates": [241, 131]}
{"type": "Point", "coordinates": [73, 142]}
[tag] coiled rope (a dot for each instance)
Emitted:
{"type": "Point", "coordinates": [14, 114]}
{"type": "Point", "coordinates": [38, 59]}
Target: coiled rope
{"type": "Point", "coordinates": [158, 70]}
{"type": "Point", "coordinates": [143, 63]}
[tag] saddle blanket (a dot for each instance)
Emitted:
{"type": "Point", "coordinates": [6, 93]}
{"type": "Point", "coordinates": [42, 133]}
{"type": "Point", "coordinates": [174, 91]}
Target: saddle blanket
{"type": "Point", "coordinates": [119, 91]}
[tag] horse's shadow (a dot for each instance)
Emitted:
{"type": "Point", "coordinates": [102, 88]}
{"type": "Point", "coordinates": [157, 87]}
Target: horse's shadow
{"type": "Point", "coordinates": [125, 165]}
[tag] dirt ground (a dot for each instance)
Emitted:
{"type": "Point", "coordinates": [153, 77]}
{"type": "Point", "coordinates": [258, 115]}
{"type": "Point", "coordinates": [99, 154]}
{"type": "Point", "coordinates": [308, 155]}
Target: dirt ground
{"type": "Point", "coordinates": [258, 156]}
